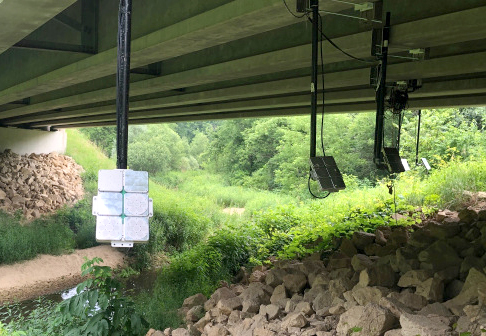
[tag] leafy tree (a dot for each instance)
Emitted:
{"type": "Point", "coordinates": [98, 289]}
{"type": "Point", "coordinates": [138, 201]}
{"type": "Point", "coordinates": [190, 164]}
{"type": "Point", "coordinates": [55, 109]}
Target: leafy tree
{"type": "Point", "coordinates": [104, 137]}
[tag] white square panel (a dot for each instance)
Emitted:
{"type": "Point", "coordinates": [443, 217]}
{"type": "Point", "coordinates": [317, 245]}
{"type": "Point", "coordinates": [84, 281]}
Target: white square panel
{"type": "Point", "coordinates": [109, 228]}
{"type": "Point", "coordinates": [136, 204]}
{"type": "Point", "coordinates": [108, 204]}
{"type": "Point", "coordinates": [136, 181]}
{"type": "Point", "coordinates": [110, 180]}
{"type": "Point", "coordinates": [137, 229]}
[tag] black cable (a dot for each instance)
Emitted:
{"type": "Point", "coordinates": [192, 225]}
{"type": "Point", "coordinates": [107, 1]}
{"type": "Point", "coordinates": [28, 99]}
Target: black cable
{"type": "Point", "coordinates": [310, 191]}
{"type": "Point", "coordinates": [341, 50]}
{"type": "Point", "coordinates": [293, 14]}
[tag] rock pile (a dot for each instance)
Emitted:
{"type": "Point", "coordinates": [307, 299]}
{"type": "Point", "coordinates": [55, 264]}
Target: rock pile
{"type": "Point", "coordinates": [38, 183]}
{"type": "Point", "coordinates": [427, 280]}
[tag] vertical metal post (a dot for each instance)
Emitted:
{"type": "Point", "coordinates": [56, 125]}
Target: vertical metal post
{"type": "Point", "coordinates": [314, 4]}
{"type": "Point", "coordinates": [381, 93]}
{"type": "Point", "coordinates": [418, 138]}
{"type": "Point", "coordinates": [123, 82]}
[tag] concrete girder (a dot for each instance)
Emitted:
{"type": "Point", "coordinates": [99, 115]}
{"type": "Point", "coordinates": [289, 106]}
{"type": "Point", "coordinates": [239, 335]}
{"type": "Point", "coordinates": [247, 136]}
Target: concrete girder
{"type": "Point", "coordinates": [442, 90]}
{"type": "Point", "coordinates": [452, 102]}
{"type": "Point", "coordinates": [21, 17]}
{"type": "Point", "coordinates": [291, 58]}
{"type": "Point", "coordinates": [446, 66]}
{"type": "Point", "coordinates": [231, 21]}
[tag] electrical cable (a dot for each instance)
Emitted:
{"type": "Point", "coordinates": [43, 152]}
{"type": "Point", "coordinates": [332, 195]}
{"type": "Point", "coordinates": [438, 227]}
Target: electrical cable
{"type": "Point", "coordinates": [310, 191]}
{"type": "Point", "coordinates": [341, 50]}
{"type": "Point", "coordinates": [293, 14]}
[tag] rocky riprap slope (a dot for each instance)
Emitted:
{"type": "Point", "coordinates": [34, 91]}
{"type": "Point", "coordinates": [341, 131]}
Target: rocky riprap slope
{"type": "Point", "coordinates": [38, 183]}
{"type": "Point", "coordinates": [427, 280]}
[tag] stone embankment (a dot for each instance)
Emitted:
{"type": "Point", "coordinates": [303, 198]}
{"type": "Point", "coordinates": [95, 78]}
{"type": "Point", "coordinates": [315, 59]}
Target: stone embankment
{"type": "Point", "coordinates": [427, 280]}
{"type": "Point", "coordinates": [38, 183]}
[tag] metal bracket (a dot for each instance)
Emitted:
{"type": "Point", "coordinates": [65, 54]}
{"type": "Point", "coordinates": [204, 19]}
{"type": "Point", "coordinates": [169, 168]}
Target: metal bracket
{"type": "Point", "coordinates": [365, 6]}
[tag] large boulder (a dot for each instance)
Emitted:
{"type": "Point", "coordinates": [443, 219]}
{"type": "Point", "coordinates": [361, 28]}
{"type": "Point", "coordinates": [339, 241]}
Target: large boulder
{"type": "Point", "coordinates": [438, 256]}
{"type": "Point", "coordinates": [371, 320]}
{"type": "Point", "coordinates": [413, 325]}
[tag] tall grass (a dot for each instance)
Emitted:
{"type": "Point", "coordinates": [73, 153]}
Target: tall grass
{"type": "Point", "coordinates": [43, 236]}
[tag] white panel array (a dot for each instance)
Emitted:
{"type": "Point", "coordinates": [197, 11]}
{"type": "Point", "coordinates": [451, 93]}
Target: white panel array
{"type": "Point", "coordinates": [122, 207]}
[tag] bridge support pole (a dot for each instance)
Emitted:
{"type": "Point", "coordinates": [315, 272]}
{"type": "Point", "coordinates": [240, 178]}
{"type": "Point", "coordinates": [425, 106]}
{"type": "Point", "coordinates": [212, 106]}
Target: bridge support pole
{"type": "Point", "coordinates": [314, 4]}
{"type": "Point", "coordinates": [123, 82]}
{"type": "Point", "coordinates": [381, 94]}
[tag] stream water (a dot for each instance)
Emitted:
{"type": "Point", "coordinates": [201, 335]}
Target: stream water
{"type": "Point", "coordinates": [134, 285]}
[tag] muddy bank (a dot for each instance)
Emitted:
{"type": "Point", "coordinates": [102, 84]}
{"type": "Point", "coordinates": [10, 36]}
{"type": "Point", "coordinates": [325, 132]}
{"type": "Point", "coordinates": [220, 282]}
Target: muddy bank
{"type": "Point", "coordinates": [48, 274]}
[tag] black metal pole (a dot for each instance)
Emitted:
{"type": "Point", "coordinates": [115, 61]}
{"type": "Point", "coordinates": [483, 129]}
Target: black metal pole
{"type": "Point", "coordinates": [418, 137]}
{"type": "Point", "coordinates": [315, 53]}
{"type": "Point", "coordinates": [123, 82]}
{"type": "Point", "coordinates": [381, 94]}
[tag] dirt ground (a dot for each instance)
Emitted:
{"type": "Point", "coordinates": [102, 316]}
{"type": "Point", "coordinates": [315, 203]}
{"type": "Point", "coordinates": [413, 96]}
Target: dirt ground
{"type": "Point", "coordinates": [48, 274]}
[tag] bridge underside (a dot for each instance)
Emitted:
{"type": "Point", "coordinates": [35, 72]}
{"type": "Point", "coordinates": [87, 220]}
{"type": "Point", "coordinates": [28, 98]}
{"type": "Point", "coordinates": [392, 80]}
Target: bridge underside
{"type": "Point", "coordinates": [218, 59]}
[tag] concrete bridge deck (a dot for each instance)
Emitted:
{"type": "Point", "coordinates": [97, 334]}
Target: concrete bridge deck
{"type": "Point", "coordinates": [213, 59]}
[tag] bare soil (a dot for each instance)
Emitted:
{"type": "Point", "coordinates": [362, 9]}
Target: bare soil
{"type": "Point", "coordinates": [49, 274]}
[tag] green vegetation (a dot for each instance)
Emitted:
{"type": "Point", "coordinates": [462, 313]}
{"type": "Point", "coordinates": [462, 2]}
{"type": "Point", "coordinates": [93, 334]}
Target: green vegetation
{"type": "Point", "coordinates": [99, 308]}
{"type": "Point", "coordinates": [261, 165]}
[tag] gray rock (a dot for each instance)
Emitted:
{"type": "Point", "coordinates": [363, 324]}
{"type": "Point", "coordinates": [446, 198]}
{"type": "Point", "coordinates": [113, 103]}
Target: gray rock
{"type": "Point", "coordinates": [468, 216]}
{"type": "Point", "coordinates": [377, 276]}
{"type": "Point", "coordinates": [396, 307]}
{"type": "Point", "coordinates": [195, 300]}
{"type": "Point", "coordinates": [180, 332]}
{"type": "Point", "coordinates": [470, 262]}
{"type": "Point", "coordinates": [469, 292]}
{"type": "Point", "coordinates": [413, 325]}
{"type": "Point", "coordinates": [339, 260]}
{"type": "Point", "coordinates": [442, 231]}
{"type": "Point", "coordinates": [431, 289]}
{"type": "Point", "coordinates": [295, 283]}
{"type": "Point", "coordinates": [279, 296]}
{"type": "Point", "coordinates": [410, 300]}
{"type": "Point", "coordinates": [435, 308]}
{"type": "Point", "coordinates": [439, 256]}
{"type": "Point", "coordinates": [361, 262]}
{"type": "Point", "coordinates": [305, 308]}
{"type": "Point", "coordinates": [348, 248]}
{"type": "Point", "coordinates": [394, 332]}
{"type": "Point", "coordinates": [380, 238]}
{"type": "Point", "coordinates": [362, 239]}
{"type": "Point", "coordinates": [372, 319]}
{"type": "Point", "coordinates": [275, 277]}
{"type": "Point", "coordinates": [226, 306]}
{"type": "Point", "coordinates": [321, 278]}
{"type": "Point", "coordinates": [292, 303]}
{"type": "Point", "coordinates": [322, 301]}
{"type": "Point", "coordinates": [250, 306]}
{"type": "Point", "coordinates": [272, 311]}
{"type": "Point", "coordinates": [296, 320]}
{"type": "Point", "coordinates": [220, 293]}
{"type": "Point", "coordinates": [257, 292]}
{"type": "Point", "coordinates": [414, 277]}
{"type": "Point", "coordinates": [366, 295]}
{"type": "Point", "coordinates": [453, 289]}
{"type": "Point", "coordinates": [312, 293]}
{"type": "Point", "coordinates": [195, 313]}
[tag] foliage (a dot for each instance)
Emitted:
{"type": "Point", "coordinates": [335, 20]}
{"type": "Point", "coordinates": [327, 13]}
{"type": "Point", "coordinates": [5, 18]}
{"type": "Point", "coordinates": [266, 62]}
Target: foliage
{"type": "Point", "coordinates": [100, 308]}
{"type": "Point", "coordinates": [41, 318]}
{"type": "Point", "coordinates": [103, 137]}
{"type": "Point", "coordinates": [6, 332]}
{"type": "Point", "coordinates": [157, 148]}
{"type": "Point", "coordinates": [18, 241]}
{"type": "Point", "coordinates": [197, 270]}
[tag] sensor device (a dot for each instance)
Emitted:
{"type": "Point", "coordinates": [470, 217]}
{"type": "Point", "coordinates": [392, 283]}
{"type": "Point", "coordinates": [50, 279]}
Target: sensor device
{"type": "Point", "coordinates": [324, 170]}
{"type": "Point", "coordinates": [122, 207]}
